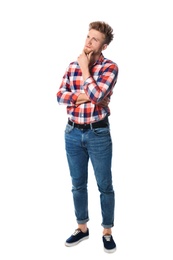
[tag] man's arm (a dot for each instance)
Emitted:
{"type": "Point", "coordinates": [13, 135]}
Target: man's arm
{"type": "Point", "coordinates": [82, 98]}
{"type": "Point", "coordinates": [84, 60]}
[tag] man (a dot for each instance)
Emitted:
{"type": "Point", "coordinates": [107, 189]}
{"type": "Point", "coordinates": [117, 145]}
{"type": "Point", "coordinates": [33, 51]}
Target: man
{"type": "Point", "coordinates": [86, 89]}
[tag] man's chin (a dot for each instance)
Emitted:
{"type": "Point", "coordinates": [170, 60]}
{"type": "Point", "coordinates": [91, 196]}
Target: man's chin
{"type": "Point", "coordinates": [87, 51]}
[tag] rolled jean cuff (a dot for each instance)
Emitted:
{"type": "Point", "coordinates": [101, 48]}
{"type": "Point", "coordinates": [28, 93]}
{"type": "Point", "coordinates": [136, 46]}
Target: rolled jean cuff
{"type": "Point", "coordinates": [107, 226]}
{"type": "Point", "coordinates": [83, 221]}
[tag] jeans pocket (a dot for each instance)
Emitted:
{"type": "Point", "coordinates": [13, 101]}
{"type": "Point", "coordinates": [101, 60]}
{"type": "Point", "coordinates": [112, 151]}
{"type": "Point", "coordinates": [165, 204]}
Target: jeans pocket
{"type": "Point", "coordinates": [101, 131]}
{"type": "Point", "coordinates": [68, 128]}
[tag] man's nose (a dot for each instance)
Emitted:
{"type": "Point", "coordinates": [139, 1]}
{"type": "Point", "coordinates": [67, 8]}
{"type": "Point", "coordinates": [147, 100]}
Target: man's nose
{"type": "Point", "coordinates": [90, 41]}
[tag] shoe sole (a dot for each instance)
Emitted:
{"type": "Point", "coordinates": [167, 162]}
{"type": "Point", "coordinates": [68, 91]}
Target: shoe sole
{"type": "Point", "coordinates": [77, 242]}
{"type": "Point", "coordinates": [110, 250]}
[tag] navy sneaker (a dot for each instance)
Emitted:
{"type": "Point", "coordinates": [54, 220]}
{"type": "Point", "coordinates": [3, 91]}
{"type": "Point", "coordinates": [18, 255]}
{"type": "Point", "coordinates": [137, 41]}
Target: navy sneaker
{"type": "Point", "coordinates": [77, 237]}
{"type": "Point", "coordinates": [109, 244]}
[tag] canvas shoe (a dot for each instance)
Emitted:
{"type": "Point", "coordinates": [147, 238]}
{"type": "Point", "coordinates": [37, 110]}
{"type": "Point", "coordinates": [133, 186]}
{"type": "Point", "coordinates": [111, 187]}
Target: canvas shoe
{"type": "Point", "coordinates": [77, 237]}
{"type": "Point", "coordinates": [109, 244]}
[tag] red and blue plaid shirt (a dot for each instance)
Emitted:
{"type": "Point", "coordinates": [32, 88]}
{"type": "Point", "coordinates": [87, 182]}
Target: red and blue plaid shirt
{"type": "Point", "coordinates": [100, 84]}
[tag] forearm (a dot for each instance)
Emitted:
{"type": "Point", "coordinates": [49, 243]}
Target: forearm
{"type": "Point", "coordinates": [85, 73]}
{"type": "Point", "coordinates": [102, 87]}
{"type": "Point", "coordinates": [82, 98]}
{"type": "Point", "coordinates": [83, 61]}
{"type": "Point", "coordinates": [66, 97]}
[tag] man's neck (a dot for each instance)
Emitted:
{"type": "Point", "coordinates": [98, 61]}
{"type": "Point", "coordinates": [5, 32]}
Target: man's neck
{"type": "Point", "coordinates": [94, 58]}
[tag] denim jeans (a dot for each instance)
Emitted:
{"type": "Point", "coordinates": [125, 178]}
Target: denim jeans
{"type": "Point", "coordinates": [95, 145]}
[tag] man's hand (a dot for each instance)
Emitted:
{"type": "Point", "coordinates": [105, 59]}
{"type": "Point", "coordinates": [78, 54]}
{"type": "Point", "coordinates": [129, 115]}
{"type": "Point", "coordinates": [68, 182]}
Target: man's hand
{"type": "Point", "coordinates": [104, 102]}
{"type": "Point", "coordinates": [84, 61]}
{"type": "Point", "coordinates": [82, 98]}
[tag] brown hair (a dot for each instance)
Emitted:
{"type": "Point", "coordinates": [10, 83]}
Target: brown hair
{"type": "Point", "coordinates": [103, 28]}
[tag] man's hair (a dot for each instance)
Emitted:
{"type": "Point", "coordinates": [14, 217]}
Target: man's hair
{"type": "Point", "coordinates": [103, 28]}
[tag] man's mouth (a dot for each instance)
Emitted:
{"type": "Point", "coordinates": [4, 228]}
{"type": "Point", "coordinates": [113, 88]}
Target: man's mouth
{"type": "Point", "coordinates": [87, 50]}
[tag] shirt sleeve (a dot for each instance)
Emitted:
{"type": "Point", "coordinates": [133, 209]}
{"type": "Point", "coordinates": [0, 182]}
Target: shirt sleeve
{"type": "Point", "coordinates": [97, 89]}
{"type": "Point", "coordinates": [65, 95]}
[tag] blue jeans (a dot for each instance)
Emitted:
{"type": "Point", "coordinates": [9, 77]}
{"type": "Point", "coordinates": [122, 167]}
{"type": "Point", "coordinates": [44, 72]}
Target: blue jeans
{"type": "Point", "coordinates": [96, 145]}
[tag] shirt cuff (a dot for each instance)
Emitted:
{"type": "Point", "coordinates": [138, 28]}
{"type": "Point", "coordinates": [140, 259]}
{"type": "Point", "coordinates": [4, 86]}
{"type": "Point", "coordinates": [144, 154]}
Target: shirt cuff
{"type": "Point", "coordinates": [74, 97]}
{"type": "Point", "coordinates": [88, 80]}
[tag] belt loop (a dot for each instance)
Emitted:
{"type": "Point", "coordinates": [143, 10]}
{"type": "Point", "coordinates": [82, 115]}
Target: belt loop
{"type": "Point", "coordinates": [71, 123]}
{"type": "Point", "coordinates": [91, 125]}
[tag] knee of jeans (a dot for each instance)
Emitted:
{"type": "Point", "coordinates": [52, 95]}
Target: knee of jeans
{"type": "Point", "coordinates": [106, 188]}
{"type": "Point", "coordinates": [77, 187]}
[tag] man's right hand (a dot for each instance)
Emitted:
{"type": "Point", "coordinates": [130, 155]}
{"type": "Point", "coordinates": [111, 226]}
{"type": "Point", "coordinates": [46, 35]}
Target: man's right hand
{"type": "Point", "coordinates": [104, 102]}
{"type": "Point", "coordinates": [82, 98]}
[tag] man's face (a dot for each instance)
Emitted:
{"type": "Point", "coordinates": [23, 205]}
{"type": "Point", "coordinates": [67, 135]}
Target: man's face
{"type": "Point", "coordinates": [95, 42]}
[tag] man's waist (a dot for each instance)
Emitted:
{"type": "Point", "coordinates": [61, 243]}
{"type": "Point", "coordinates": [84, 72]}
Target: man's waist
{"type": "Point", "coordinates": [98, 124]}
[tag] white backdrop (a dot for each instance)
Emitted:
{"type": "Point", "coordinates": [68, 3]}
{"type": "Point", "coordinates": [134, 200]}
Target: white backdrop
{"type": "Point", "coordinates": [38, 40]}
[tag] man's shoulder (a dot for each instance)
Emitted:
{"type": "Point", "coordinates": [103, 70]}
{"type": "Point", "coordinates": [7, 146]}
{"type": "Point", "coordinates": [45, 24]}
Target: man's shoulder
{"type": "Point", "coordinates": [73, 63]}
{"type": "Point", "coordinates": [73, 66]}
{"type": "Point", "coordinates": [108, 62]}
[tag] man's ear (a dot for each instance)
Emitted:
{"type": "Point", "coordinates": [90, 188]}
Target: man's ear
{"type": "Point", "coordinates": [104, 47]}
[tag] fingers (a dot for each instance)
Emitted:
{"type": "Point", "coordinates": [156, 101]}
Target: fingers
{"type": "Point", "coordinates": [105, 102]}
{"type": "Point", "coordinates": [85, 56]}
{"type": "Point", "coordinates": [89, 55]}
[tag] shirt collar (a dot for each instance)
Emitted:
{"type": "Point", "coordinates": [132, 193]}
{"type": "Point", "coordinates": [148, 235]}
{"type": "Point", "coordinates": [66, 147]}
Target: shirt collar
{"type": "Point", "coordinates": [99, 61]}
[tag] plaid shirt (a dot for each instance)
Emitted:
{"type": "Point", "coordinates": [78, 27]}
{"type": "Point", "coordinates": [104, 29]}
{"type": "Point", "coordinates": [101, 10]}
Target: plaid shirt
{"type": "Point", "coordinates": [100, 84]}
